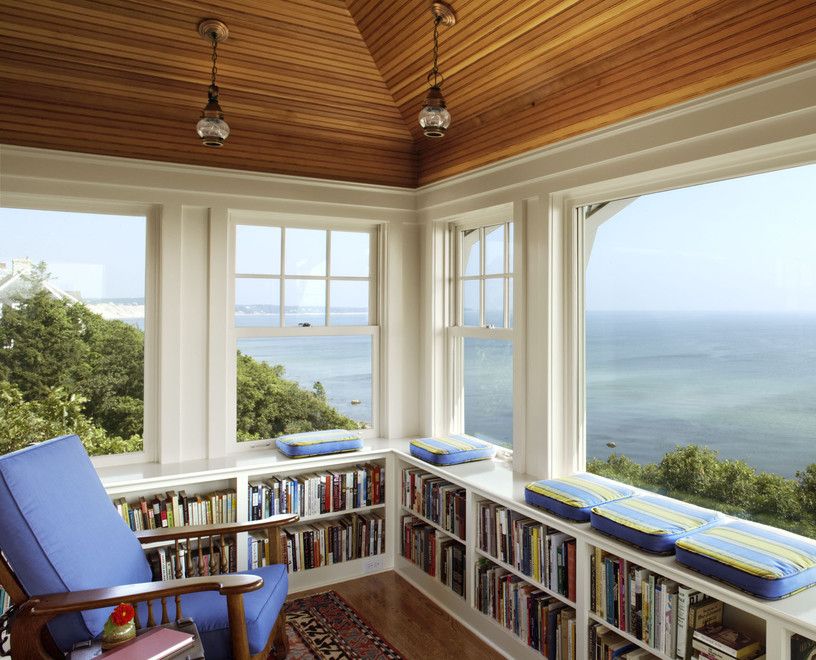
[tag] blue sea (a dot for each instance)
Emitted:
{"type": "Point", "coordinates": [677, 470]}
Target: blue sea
{"type": "Point", "coordinates": [742, 384]}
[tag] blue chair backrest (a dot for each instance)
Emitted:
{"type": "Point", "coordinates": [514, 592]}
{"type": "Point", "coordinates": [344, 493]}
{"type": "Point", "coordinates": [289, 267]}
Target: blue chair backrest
{"type": "Point", "coordinates": [60, 532]}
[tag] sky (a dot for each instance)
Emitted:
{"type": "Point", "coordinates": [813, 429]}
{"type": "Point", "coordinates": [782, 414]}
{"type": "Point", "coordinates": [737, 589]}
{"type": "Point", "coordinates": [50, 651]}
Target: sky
{"type": "Point", "coordinates": [100, 256]}
{"type": "Point", "coordinates": [746, 244]}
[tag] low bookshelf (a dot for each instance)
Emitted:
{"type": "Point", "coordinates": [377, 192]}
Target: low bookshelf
{"type": "Point", "coordinates": [478, 509]}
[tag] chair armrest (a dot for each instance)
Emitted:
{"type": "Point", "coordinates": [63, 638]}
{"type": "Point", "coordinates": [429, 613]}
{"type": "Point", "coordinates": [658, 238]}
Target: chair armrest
{"type": "Point", "coordinates": [72, 601]}
{"type": "Point", "coordinates": [196, 531]}
{"type": "Point", "coordinates": [29, 621]}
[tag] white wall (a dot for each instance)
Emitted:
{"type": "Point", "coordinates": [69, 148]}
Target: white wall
{"type": "Point", "coordinates": [189, 209]}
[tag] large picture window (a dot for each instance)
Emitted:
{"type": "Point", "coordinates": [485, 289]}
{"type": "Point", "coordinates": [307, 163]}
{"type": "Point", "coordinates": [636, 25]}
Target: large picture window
{"type": "Point", "coordinates": [305, 329]}
{"type": "Point", "coordinates": [72, 321]}
{"type": "Point", "coordinates": [482, 332]}
{"type": "Point", "coordinates": [700, 344]}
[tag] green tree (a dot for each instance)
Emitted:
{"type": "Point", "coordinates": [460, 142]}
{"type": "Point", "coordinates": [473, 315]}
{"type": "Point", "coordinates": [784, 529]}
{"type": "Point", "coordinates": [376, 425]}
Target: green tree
{"type": "Point", "coordinates": [689, 468]}
{"type": "Point", "coordinates": [270, 405]}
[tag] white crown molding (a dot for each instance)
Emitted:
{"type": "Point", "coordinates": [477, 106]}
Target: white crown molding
{"type": "Point", "coordinates": [771, 109]}
{"type": "Point", "coordinates": [138, 180]}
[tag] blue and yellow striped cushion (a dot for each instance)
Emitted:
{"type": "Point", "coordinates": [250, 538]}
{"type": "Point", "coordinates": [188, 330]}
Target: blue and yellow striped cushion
{"type": "Point", "coordinates": [573, 497]}
{"type": "Point", "coordinates": [651, 522]}
{"type": "Point", "coordinates": [764, 561]}
{"type": "Point", "coordinates": [317, 443]}
{"type": "Point", "coordinates": [451, 449]}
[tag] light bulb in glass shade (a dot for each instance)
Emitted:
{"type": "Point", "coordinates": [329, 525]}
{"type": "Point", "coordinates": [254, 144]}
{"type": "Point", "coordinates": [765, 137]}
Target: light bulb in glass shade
{"type": "Point", "coordinates": [434, 121]}
{"type": "Point", "coordinates": [434, 117]}
{"type": "Point", "coordinates": [212, 131]}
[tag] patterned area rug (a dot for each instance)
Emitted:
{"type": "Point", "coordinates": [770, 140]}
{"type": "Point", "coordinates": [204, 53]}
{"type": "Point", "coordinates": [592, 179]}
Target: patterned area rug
{"type": "Point", "coordinates": [324, 626]}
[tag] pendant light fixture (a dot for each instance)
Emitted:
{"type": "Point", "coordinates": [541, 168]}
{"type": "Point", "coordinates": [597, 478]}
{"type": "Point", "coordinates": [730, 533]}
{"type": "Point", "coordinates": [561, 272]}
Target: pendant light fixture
{"type": "Point", "coordinates": [434, 117]}
{"type": "Point", "coordinates": [211, 128]}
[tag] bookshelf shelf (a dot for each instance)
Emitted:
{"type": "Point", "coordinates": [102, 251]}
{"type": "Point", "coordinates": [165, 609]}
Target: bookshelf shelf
{"type": "Point", "coordinates": [630, 638]}
{"type": "Point", "coordinates": [507, 567]}
{"type": "Point", "coordinates": [340, 514]}
{"type": "Point", "coordinates": [430, 522]}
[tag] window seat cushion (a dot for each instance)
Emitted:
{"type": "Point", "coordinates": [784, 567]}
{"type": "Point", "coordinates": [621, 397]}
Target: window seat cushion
{"type": "Point", "coordinates": [763, 561]}
{"type": "Point", "coordinates": [651, 522]}
{"type": "Point", "coordinates": [573, 497]}
{"type": "Point", "coordinates": [451, 449]}
{"type": "Point", "coordinates": [317, 443]}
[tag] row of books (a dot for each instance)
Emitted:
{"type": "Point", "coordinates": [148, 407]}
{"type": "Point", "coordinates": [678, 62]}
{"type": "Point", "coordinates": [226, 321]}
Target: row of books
{"type": "Point", "coordinates": [438, 555]}
{"type": "Point", "coordinates": [196, 559]}
{"type": "Point", "coordinates": [719, 642]}
{"type": "Point", "coordinates": [325, 543]}
{"type": "Point", "coordinates": [544, 623]}
{"type": "Point", "coordinates": [178, 509]}
{"type": "Point", "coordinates": [544, 554]}
{"type": "Point", "coordinates": [436, 499]}
{"type": "Point", "coordinates": [312, 494]}
{"type": "Point", "coordinates": [606, 644]}
{"type": "Point", "coordinates": [5, 600]}
{"type": "Point", "coordinates": [663, 614]}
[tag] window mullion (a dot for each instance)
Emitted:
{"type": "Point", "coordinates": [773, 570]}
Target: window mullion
{"type": "Point", "coordinates": [282, 305]}
{"type": "Point", "coordinates": [328, 277]}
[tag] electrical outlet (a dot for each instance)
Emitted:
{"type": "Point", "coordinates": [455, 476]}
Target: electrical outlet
{"type": "Point", "coordinates": [373, 564]}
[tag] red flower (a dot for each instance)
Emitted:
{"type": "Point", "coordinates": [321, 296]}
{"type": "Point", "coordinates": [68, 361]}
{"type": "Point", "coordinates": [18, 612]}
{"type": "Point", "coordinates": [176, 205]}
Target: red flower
{"type": "Point", "coordinates": [123, 614]}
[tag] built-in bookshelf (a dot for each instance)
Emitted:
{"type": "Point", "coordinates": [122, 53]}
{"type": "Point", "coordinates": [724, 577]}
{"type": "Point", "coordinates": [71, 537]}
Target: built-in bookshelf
{"type": "Point", "coordinates": [455, 505]}
{"type": "Point", "coordinates": [543, 556]}
{"type": "Point", "coordinates": [664, 617]}
{"type": "Point", "coordinates": [178, 509]}
{"type": "Point", "coordinates": [541, 621]}
{"type": "Point", "coordinates": [438, 554]}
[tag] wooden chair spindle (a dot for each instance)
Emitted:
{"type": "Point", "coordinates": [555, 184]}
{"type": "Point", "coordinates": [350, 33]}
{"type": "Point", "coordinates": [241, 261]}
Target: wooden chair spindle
{"type": "Point", "coordinates": [179, 571]}
{"type": "Point", "coordinates": [165, 618]}
{"type": "Point", "coordinates": [224, 562]}
{"type": "Point", "coordinates": [151, 622]}
{"type": "Point", "coordinates": [179, 615]}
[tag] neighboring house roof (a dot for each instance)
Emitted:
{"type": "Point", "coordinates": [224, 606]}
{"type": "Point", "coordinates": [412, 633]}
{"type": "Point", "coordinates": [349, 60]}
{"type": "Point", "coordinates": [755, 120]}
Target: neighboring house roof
{"type": "Point", "coordinates": [16, 281]}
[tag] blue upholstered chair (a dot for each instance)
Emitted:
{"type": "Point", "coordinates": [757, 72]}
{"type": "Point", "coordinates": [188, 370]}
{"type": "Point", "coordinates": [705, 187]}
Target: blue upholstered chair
{"type": "Point", "coordinates": [66, 549]}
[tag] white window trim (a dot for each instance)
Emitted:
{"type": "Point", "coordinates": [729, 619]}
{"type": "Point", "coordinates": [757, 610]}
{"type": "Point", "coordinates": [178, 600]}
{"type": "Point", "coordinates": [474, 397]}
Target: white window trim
{"type": "Point", "coordinates": [152, 399]}
{"type": "Point", "coordinates": [567, 264]}
{"type": "Point", "coordinates": [233, 333]}
{"type": "Point", "coordinates": [456, 332]}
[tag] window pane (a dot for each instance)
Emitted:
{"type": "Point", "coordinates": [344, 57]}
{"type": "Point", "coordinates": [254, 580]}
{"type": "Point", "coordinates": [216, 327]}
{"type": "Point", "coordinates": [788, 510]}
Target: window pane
{"type": "Point", "coordinates": [349, 303]}
{"type": "Point", "coordinates": [471, 247]}
{"type": "Point", "coordinates": [305, 252]}
{"type": "Point", "coordinates": [72, 318]}
{"type": "Point", "coordinates": [350, 253]}
{"type": "Point", "coordinates": [494, 250]}
{"type": "Point", "coordinates": [494, 302]}
{"type": "Point", "coordinates": [257, 302]}
{"type": "Point", "coordinates": [296, 384]}
{"type": "Point", "coordinates": [305, 302]}
{"type": "Point", "coordinates": [510, 302]}
{"type": "Point", "coordinates": [488, 380]}
{"type": "Point", "coordinates": [470, 303]}
{"type": "Point", "coordinates": [701, 345]}
{"type": "Point", "coordinates": [511, 255]}
{"type": "Point", "coordinates": [257, 250]}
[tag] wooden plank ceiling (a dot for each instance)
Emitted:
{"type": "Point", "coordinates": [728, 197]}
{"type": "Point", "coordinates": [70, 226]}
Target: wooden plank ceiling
{"type": "Point", "coordinates": [332, 89]}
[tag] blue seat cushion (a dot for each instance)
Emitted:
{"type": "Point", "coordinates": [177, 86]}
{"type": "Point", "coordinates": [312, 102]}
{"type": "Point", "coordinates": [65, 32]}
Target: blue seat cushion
{"type": "Point", "coordinates": [763, 561]}
{"type": "Point", "coordinates": [60, 532]}
{"type": "Point", "coordinates": [316, 443]}
{"type": "Point", "coordinates": [651, 522]}
{"type": "Point", "coordinates": [208, 609]}
{"type": "Point", "coordinates": [451, 449]}
{"type": "Point", "coordinates": [573, 497]}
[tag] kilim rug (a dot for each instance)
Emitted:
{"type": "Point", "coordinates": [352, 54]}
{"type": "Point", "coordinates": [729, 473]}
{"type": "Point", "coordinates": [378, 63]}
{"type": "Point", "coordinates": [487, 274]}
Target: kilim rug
{"type": "Point", "coordinates": [324, 626]}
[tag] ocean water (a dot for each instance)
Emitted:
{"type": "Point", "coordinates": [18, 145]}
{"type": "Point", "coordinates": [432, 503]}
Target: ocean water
{"type": "Point", "coordinates": [743, 384]}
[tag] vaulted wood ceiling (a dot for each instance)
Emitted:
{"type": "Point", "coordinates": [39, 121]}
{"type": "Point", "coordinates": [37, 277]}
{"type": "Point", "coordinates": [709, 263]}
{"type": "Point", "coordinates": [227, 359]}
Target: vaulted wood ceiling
{"type": "Point", "coordinates": [332, 89]}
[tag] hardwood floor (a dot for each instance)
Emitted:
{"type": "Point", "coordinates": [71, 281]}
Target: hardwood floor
{"type": "Point", "coordinates": [407, 619]}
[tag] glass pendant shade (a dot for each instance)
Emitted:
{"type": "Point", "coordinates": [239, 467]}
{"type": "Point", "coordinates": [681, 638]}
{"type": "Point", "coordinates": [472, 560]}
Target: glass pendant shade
{"type": "Point", "coordinates": [211, 128]}
{"type": "Point", "coordinates": [212, 131]}
{"type": "Point", "coordinates": [434, 117]}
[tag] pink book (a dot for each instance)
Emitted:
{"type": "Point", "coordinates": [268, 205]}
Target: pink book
{"type": "Point", "coordinates": [153, 645]}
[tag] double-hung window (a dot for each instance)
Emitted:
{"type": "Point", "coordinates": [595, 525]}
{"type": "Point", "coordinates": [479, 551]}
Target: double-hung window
{"type": "Point", "coordinates": [481, 332]}
{"type": "Point", "coordinates": [305, 328]}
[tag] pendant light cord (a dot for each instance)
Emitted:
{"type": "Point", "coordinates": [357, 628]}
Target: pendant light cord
{"type": "Point", "coordinates": [435, 69]}
{"type": "Point", "coordinates": [214, 60]}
